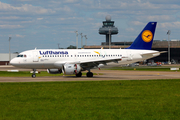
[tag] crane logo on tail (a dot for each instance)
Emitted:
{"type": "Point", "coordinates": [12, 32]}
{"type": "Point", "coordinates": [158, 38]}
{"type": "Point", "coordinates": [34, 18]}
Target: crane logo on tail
{"type": "Point", "coordinates": [147, 36]}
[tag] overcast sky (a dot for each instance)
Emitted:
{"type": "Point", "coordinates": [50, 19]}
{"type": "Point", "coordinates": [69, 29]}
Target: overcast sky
{"type": "Point", "coordinates": [44, 24]}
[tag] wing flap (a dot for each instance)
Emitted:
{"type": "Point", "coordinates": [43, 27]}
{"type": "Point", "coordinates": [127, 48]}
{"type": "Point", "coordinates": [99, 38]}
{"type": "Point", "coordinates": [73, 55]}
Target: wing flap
{"type": "Point", "coordinates": [103, 60]}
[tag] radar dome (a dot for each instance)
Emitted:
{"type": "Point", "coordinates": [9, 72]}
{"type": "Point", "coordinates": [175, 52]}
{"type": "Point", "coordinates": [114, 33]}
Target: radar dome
{"type": "Point", "coordinates": [108, 18]}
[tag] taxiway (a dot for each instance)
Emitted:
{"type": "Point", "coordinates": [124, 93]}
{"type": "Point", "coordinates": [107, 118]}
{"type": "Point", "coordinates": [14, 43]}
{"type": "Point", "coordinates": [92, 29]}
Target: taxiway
{"type": "Point", "coordinates": [107, 75]}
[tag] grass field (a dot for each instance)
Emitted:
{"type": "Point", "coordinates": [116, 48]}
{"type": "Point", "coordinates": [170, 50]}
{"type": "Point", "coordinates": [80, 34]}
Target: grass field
{"type": "Point", "coordinates": [44, 73]}
{"type": "Point", "coordinates": [99, 100]}
{"type": "Point", "coordinates": [28, 74]}
{"type": "Point", "coordinates": [25, 74]}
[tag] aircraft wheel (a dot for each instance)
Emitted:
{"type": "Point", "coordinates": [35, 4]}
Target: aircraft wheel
{"type": "Point", "coordinates": [33, 75]}
{"type": "Point", "coordinates": [79, 74]}
{"type": "Point", "coordinates": [89, 74]}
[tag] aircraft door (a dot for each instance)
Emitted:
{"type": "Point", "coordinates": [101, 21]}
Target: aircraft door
{"type": "Point", "coordinates": [35, 56]}
{"type": "Point", "coordinates": [129, 56]}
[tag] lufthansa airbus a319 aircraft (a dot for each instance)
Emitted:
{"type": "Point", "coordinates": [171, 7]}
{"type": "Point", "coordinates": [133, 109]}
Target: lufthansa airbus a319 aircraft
{"type": "Point", "coordinates": [73, 61]}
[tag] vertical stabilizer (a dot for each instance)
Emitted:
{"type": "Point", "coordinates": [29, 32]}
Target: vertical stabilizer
{"type": "Point", "coordinates": [145, 39]}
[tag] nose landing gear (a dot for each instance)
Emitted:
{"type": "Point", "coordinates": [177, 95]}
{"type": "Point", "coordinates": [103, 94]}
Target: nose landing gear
{"type": "Point", "coordinates": [34, 73]}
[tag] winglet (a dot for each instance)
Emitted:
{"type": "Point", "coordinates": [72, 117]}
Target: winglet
{"type": "Point", "coordinates": [145, 38]}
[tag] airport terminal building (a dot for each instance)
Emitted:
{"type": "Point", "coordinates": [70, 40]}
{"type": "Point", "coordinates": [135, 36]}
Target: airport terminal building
{"type": "Point", "coordinates": [157, 45]}
{"type": "Point", "coordinates": [4, 58]}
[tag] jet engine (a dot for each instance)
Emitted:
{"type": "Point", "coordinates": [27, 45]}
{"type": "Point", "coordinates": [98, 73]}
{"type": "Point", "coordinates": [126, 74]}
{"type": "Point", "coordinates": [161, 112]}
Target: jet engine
{"type": "Point", "coordinates": [54, 71]}
{"type": "Point", "coordinates": [70, 69]}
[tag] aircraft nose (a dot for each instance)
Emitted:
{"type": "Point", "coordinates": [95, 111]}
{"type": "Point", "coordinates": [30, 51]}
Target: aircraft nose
{"type": "Point", "coordinates": [13, 62]}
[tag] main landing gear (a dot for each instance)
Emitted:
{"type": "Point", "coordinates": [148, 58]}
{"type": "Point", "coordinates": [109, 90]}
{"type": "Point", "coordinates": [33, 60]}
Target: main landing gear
{"type": "Point", "coordinates": [89, 74]}
{"type": "Point", "coordinates": [34, 73]}
{"type": "Point", "coordinates": [79, 74]}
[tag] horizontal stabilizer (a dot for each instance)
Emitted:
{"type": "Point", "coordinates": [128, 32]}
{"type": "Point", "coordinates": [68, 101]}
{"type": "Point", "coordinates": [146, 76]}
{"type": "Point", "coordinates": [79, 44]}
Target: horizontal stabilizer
{"type": "Point", "coordinates": [152, 54]}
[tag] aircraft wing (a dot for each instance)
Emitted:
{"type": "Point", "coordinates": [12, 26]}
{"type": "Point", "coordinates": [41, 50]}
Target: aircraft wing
{"type": "Point", "coordinates": [103, 60]}
{"type": "Point", "coordinates": [95, 63]}
{"type": "Point", "coordinates": [90, 63]}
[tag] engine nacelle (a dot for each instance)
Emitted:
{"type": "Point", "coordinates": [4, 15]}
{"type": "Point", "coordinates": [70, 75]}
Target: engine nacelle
{"type": "Point", "coordinates": [70, 69]}
{"type": "Point", "coordinates": [100, 65]}
{"type": "Point", "coordinates": [54, 71]}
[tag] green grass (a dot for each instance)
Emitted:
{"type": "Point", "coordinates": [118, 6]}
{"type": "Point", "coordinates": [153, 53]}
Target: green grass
{"type": "Point", "coordinates": [28, 74]}
{"type": "Point", "coordinates": [99, 100]}
{"type": "Point", "coordinates": [44, 73]}
{"type": "Point", "coordinates": [25, 74]}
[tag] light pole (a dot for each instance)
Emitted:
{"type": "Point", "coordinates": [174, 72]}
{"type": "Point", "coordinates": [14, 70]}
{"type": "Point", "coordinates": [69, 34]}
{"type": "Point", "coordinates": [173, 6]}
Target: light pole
{"type": "Point", "coordinates": [109, 38]}
{"type": "Point", "coordinates": [81, 40]}
{"type": "Point", "coordinates": [58, 46]}
{"type": "Point", "coordinates": [9, 50]}
{"type": "Point", "coordinates": [168, 33]}
{"type": "Point", "coordinates": [86, 39]}
{"type": "Point", "coordinates": [76, 39]}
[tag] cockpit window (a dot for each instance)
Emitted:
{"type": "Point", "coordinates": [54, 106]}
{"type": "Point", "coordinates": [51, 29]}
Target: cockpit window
{"type": "Point", "coordinates": [22, 56]}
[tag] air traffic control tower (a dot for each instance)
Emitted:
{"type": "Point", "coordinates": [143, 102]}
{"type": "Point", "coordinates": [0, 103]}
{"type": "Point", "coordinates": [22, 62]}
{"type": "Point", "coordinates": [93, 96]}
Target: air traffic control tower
{"type": "Point", "coordinates": [108, 29]}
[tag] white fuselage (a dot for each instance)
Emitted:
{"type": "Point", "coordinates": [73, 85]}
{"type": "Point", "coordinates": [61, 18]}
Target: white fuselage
{"type": "Point", "coordinates": [56, 58]}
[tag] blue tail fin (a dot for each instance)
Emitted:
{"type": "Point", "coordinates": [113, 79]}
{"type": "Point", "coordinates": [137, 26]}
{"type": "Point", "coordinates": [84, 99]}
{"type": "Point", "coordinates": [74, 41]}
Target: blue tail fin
{"type": "Point", "coordinates": [145, 39]}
